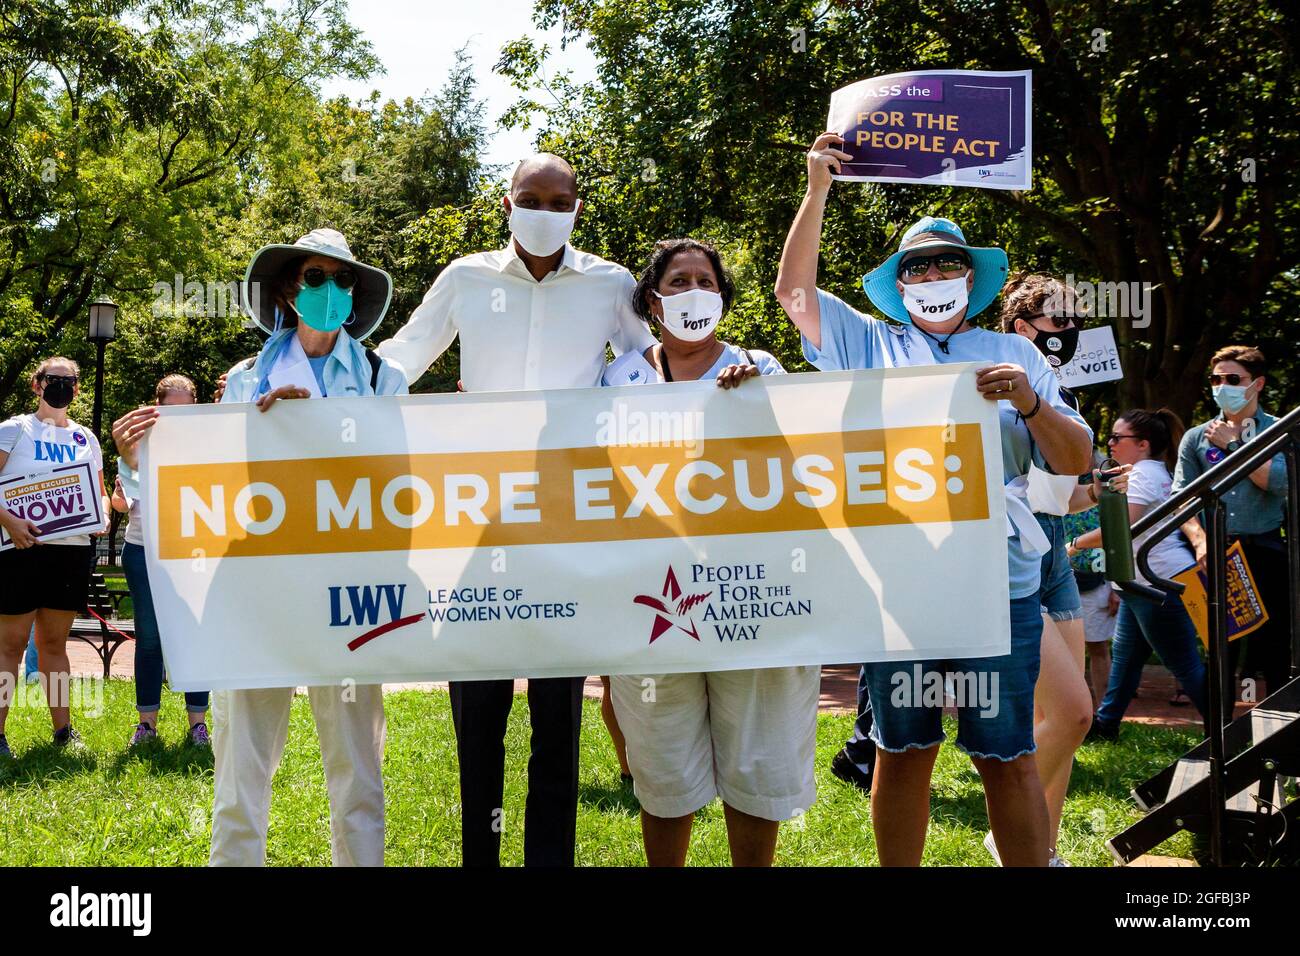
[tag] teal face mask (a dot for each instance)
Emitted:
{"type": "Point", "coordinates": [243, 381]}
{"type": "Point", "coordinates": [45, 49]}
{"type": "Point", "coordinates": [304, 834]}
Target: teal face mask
{"type": "Point", "coordinates": [324, 308]}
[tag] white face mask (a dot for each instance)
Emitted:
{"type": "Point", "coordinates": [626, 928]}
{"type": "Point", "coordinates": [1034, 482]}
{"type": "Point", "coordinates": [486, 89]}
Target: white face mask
{"type": "Point", "coordinates": [935, 301]}
{"type": "Point", "coordinates": [542, 233]}
{"type": "Point", "coordinates": [691, 316]}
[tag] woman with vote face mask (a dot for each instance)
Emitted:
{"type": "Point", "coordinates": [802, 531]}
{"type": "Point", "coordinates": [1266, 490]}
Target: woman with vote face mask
{"type": "Point", "coordinates": [932, 288]}
{"type": "Point", "coordinates": [748, 736]}
{"type": "Point", "coordinates": [44, 582]}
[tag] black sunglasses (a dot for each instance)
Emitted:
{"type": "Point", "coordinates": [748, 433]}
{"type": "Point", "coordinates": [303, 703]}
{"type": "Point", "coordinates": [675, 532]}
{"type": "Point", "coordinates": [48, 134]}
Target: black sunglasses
{"type": "Point", "coordinates": [1117, 438]}
{"type": "Point", "coordinates": [1231, 378]}
{"type": "Point", "coordinates": [1059, 322]}
{"type": "Point", "coordinates": [316, 276]}
{"type": "Point", "coordinates": [50, 379]}
{"type": "Point", "coordinates": [948, 263]}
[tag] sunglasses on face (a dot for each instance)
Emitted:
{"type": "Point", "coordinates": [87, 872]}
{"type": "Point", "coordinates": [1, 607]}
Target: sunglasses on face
{"type": "Point", "coordinates": [1059, 322]}
{"type": "Point", "coordinates": [1231, 378]}
{"type": "Point", "coordinates": [316, 276]}
{"type": "Point", "coordinates": [1113, 439]}
{"type": "Point", "coordinates": [948, 263]}
{"type": "Point", "coordinates": [52, 379]}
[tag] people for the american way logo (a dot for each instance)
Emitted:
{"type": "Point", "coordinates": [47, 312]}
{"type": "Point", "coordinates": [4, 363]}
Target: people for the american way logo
{"type": "Point", "coordinates": [672, 608]}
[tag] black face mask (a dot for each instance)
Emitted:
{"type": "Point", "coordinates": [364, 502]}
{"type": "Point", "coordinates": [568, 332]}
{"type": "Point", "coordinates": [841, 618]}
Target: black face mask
{"type": "Point", "coordinates": [1058, 346]}
{"type": "Point", "coordinates": [58, 394]}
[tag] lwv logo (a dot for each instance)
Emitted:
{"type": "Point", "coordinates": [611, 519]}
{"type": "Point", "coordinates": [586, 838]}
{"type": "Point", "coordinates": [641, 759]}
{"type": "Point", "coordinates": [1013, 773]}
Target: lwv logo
{"type": "Point", "coordinates": [75, 909]}
{"type": "Point", "coordinates": [363, 605]}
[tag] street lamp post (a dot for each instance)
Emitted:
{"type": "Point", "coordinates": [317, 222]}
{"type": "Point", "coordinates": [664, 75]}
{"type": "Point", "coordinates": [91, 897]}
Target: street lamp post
{"type": "Point", "coordinates": [103, 328]}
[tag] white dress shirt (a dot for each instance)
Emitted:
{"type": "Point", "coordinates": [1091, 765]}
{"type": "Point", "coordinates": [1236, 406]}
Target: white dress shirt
{"type": "Point", "coordinates": [516, 332]}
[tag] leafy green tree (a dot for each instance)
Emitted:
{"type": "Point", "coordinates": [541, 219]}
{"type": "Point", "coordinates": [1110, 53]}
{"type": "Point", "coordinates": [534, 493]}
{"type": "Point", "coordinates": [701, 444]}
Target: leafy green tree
{"type": "Point", "coordinates": [130, 134]}
{"type": "Point", "coordinates": [1164, 143]}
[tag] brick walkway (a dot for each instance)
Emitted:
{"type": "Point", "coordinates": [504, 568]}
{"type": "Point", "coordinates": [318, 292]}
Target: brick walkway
{"type": "Point", "coordinates": [839, 688]}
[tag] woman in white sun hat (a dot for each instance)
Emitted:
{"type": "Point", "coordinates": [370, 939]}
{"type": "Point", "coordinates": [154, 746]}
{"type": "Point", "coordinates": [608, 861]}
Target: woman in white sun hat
{"type": "Point", "coordinates": [305, 295]}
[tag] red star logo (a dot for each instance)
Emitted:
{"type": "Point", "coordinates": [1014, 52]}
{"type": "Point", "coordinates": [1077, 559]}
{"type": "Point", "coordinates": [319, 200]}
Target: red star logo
{"type": "Point", "coordinates": [667, 617]}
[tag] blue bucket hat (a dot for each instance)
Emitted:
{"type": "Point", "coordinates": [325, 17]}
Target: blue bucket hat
{"type": "Point", "coordinates": [990, 265]}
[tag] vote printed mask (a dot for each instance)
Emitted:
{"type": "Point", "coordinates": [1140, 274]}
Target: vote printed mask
{"type": "Point", "coordinates": [691, 316]}
{"type": "Point", "coordinates": [935, 301]}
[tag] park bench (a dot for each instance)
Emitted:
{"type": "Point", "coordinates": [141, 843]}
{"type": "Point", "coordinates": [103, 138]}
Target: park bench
{"type": "Point", "coordinates": [101, 628]}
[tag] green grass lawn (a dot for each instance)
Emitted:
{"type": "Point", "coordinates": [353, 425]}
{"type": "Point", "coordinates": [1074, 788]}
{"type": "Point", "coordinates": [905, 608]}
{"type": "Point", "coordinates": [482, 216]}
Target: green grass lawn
{"type": "Point", "coordinates": [105, 807]}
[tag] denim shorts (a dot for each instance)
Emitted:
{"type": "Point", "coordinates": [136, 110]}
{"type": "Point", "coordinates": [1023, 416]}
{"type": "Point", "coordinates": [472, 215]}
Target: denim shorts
{"type": "Point", "coordinates": [994, 695]}
{"type": "Point", "coordinates": [1058, 591]}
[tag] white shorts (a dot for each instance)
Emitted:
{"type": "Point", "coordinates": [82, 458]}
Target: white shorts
{"type": "Point", "coordinates": [747, 736]}
{"type": "Point", "coordinates": [1098, 622]}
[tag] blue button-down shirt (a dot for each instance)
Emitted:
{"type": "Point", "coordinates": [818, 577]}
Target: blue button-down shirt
{"type": "Point", "coordinates": [1251, 509]}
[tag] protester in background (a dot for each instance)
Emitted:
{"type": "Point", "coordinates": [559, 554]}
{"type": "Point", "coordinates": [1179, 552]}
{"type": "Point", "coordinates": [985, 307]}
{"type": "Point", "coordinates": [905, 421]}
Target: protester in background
{"type": "Point", "coordinates": [748, 736]}
{"type": "Point", "coordinates": [534, 315]}
{"type": "Point", "coordinates": [171, 390]}
{"type": "Point", "coordinates": [1100, 603]}
{"type": "Point", "coordinates": [304, 295]}
{"type": "Point", "coordinates": [935, 266]}
{"type": "Point", "coordinates": [1147, 440]}
{"type": "Point", "coordinates": [1256, 507]}
{"type": "Point", "coordinates": [1046, 311]}
{"type": "Point", "coordinates": [45, 583]}
{"type": "Point", "coordinates": [31, 659]}
{"type": "Point", "coordinates": [855, 762]}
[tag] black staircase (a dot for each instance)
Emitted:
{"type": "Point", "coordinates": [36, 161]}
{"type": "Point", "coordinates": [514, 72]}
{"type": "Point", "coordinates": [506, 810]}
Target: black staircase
{"type": "Point", "coordinates": [1231, 788]}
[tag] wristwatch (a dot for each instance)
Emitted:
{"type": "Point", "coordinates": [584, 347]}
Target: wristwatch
{"type": "Point", "coordinates": [1233, 445]}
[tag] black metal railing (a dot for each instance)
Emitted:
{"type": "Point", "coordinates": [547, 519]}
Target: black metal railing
{"type": "Point", "coordinates": [1204, 497]}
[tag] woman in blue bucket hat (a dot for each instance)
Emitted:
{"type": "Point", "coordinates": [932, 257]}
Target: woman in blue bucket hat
{"type": "Point", "coordinates": [932, 287]}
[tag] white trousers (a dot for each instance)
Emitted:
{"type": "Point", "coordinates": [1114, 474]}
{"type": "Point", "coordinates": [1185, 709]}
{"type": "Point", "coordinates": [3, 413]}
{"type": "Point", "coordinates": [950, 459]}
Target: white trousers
{"type": "Point", "coordinates": [249, 730]}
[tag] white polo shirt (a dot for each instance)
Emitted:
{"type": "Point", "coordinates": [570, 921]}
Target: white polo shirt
{"type": "Point", "coordinates": [516, 332]}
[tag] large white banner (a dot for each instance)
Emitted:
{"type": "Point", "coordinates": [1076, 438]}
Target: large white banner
{"type": "Point", "coordinates": [799, 519]}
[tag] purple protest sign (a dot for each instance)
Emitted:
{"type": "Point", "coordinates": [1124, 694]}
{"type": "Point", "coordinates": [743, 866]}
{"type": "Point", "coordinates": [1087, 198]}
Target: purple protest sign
{"type": "Point", "coordinates": [941, 127]}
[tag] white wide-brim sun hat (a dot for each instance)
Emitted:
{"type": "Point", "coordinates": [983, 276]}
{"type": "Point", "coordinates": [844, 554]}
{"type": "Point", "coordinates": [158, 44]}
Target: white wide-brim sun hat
{"type": "Point", "coordinates": [370, 296]}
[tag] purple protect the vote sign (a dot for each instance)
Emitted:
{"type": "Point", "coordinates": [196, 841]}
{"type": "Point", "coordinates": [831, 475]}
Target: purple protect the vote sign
{"type": "Point", "coordinates": [941, 127]}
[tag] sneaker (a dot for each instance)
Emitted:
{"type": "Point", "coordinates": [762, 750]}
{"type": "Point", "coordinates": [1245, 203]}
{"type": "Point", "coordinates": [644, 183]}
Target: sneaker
{"type": "Point", "coordinates": [144, 733]}
{"type": "Point", "coordinates": [843, 768]}
{"type": "Point", "coordinates": [199, 735]}
{"type": "Point", "coordinates": [5, 752]}
{"type": "Point", "coordinates": [1055, 860]}
{"type": "Point", "coordinates": [67, 737]}
{"type": "Point", "coordinates": [992, 847]}
{"type": "Point", "coordinates": [1099, 731]}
